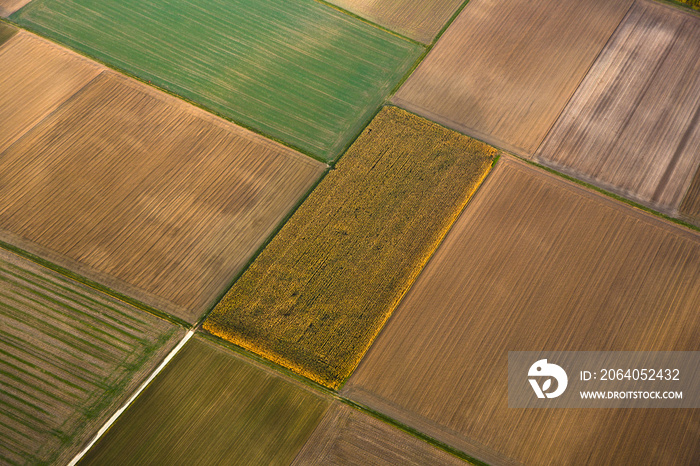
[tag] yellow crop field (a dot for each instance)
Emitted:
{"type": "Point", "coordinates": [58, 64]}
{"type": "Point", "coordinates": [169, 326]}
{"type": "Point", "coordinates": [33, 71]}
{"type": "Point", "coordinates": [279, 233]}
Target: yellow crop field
{"type": "Point", "coordinates": [317, 296]}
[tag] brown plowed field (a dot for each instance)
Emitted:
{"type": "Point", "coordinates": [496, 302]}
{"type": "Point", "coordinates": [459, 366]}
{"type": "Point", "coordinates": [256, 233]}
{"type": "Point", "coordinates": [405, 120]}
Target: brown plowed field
{"type": "Point", "coordinates": [347, 436]}
{"type": "Point", "coordinates": [147, 194]}
{"type": "Point", "coordinates": [633, 126]}
{"type": "Point", "coordinates": [35, 78]}
{"type": "Point", "coordinates": [504, 69]}
{"type": "Point", "coordinates": [416, 19]}
{"type": "Point", "coordinates": [538, 263]}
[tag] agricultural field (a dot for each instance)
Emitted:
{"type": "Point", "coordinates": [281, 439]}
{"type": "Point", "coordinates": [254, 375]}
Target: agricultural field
{"type": "Point", "coordinates": [690, 207]}
{"type": "Point", "coordinates": [633, 126]}
{"type": "Point", "coordinates": [7, 7]}
{"type": "Point", "coordinates": [317, 295]}
{"type": "Point", "coordinates": [538, 263]}
{"type": "Point", "coordinates": [418, 20]}
{"type": "Point", "coordinates": [70, 356]}
{"type": "Point", "coordinates": [210, 406]}
{"type": "Point", "coordinates": [297, 70]}
{"type": "Point", "coordinates": [158, 200]}
{"type": "Point", "coordinates": [505, 69]}
{"type": "Point", "coordinates": [6, 31]}
{"type": "Point", "coordinates": [347, 436]}
{"type": "Point", "coordinates": [694, 4]}
{"type": "Point", "coordinates": [35, 78]}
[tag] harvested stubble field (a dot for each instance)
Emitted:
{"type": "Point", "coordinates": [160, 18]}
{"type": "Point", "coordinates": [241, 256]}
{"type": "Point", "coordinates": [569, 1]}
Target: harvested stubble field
{"type": "Point", "coordinates": [347, 436]}
{"type": "Point", "coordinates": [315, 298]}
{"type": "Point", "coordinates": [298, 70]}
{"type": "Point", "coordinates": [633, 126]}
{"type": "Point", "coordinates": [35, 78]}
{"type": "Point", "coordinates": [210, 406]}
{"type": "Point", "coordinates": [69, 356]}
{"type": "Point", "coordinates": [504, 69]}
{"type": "Point", "coordinates": [7, 7]}
{"type": "Point", "coordinates": [538, 263]}
{"type": "Point", "coordinates": [146, 194]}
{"type": "Point", "coordinates": [416, 19]}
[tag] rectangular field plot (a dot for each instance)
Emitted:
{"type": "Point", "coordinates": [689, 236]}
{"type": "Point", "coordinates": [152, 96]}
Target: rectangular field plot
{"type": "Point", "coordinates": [536, 263]}
{"type": "Point", "coordinates": [146, 194]}
{"type": "Point", "coordinates": [297, 70]}
{"type": "Point", "coordinates": [633, 126]}
{"type": "Point", "coordinates": [347, 436]}
{"type": "Point", "coordinates": [318, 294]}
{"type": "Point", "coordinates": [416, 19]}
{"type": "Point", "coordinates": [209, 406]}
{"type": "Point", "coordinates": [35, 78]}
{"type": "Point", "coordinates": [504, 69]}
{"type": "Point", "coordinates": [70, 356]}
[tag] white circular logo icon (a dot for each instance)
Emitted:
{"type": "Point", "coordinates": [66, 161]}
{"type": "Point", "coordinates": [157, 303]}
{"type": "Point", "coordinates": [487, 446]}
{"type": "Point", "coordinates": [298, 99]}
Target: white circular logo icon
{"type": "Point", "coordinates": [546, 372]}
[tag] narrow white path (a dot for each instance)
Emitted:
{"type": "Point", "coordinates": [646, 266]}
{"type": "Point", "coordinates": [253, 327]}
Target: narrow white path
{"type": "Point", "coordinates": [131, 399]}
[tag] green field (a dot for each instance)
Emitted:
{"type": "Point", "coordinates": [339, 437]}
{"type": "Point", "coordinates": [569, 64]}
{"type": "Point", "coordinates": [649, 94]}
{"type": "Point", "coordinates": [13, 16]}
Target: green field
{"type": "Point", "coordinates": [209, 406]}
{"type": "Point", "coordinates": [296, 70]}
{"type": "Point", "coordinates": [68, 356]}
{"type": "Point", "coordinates": [317, 296]}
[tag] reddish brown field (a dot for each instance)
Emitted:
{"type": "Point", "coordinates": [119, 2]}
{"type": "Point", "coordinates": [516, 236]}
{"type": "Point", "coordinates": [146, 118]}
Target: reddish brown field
{"type": "Point", "coordinates": [538, 263]}
{"type": "Point", "coordinates": [147, 194]}
{"type": "Point", "coordinates": [633, 126]}
{"type": "Point", "coordinates": [504, 69]}
{"type": "Point", "coordinates": [35, 78]}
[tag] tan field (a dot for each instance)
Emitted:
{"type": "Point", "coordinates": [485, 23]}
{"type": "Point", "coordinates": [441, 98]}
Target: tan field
{"type": "Point", "coordinates": [633, 126]}
{"type": "Point", "coordinates": [504, 69]}
{"type": "Point", "coordinates": [538, 263]}
{"type": "Point", "coordinates": [146, 194]}
{"type": "Point", "coordinates": [347, 436]}
{"type": "Point", "coordinates": [35, 78]}
{"type": "Point", "coordinates": [70, 356]}
{"type": "Point", "coordinates": [7, 7]}
{"type": "Point", "coordinates": [416, 19]}
{"type": "Point", "coordinates": [316, 297]}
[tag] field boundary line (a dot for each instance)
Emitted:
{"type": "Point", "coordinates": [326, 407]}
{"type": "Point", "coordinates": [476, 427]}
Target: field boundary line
{"type": "Point", "coordinates": [583, 78]}
{"type": "Point", "coordinates": [132, 398]}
